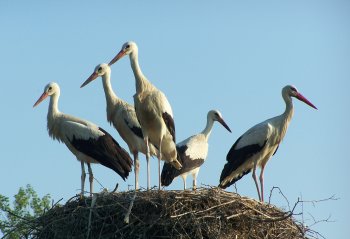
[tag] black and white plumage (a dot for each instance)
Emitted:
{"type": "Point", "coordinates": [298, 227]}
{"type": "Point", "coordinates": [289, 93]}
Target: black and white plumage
{"type": "Point", "coordinates": [193, 152]}
{"type": "Point", "coordinates": [123, 117]}
{"type": "Point", "coordinates": [88, 142]}
{"type": "Point", "coordinates": [153, 111]}
{"type": "Point", "coordinates": [256, 146]}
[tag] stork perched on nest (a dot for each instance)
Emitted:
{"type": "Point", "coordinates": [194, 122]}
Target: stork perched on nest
{"type": "Point", "coordinates": [88, 142]}
{"type": "Point", "coordinates": [193, 152]}
{"type": "Point", "coordinates": [153, 111]}
{"type": "Point", "coordinates": [256, 146]}
{"type": "Point", "coordinates": [123, 117]}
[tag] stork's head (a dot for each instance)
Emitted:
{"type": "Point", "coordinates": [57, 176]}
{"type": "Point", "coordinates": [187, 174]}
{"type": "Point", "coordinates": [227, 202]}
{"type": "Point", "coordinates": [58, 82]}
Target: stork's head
{"type": "Point", "coordinates": [100, 70]}
{"type": "Point", "coordinates": [215, 115]}
{"type": "Point", "coordinates": [127, 48]}
{"type": "Point", "coordinates": [49, 90]}
{"type": "Point", "coordinates": [291, 91]}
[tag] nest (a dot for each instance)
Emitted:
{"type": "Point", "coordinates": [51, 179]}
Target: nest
{"type": "Point", "coordinates": [205, 213]}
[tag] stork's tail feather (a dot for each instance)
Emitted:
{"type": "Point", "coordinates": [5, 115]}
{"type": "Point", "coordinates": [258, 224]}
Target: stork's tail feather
{"type": "Point", "coordinates": [226, 181]}
{"type": "Point", "coordinates": [125, 162]}
{"type": "Point", "coordinates": [170, 171]}
{"type": "Point", "coordinates": [121, 162]}
{"type": "Point", "coordinates": [238, 163]}
{"type": "Point", "coordinates": [168, 174]}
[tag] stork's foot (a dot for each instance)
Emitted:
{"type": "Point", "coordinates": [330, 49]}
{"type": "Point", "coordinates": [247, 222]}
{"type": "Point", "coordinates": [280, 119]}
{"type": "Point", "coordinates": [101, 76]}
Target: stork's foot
{"type": "Point", "coordinates": [81, 196]}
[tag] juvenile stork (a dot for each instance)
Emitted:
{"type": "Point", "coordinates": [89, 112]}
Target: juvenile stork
{"type": "Point", "coordinates": [193, 152]}
{"type": "Point", "coordinates": [88, 142]}
{"type": "Point", "coordinates": [153, 111]}
{"type": "Point", "coordinates": [123, 117]}
{"type": "Point", "coordinates": [256, 146]}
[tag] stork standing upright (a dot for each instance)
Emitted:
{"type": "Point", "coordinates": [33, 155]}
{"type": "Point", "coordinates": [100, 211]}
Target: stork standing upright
{"type": "Point", "coordinates": [123, 117]}
{"type": "Point", "coordinates": [256, 146]}
{"type": "Point", "coordinates": [193, 152]}
{"type": "Point", "coordinates": [88, 142]}
{"type": "Point", "coordinates": [153, 111]}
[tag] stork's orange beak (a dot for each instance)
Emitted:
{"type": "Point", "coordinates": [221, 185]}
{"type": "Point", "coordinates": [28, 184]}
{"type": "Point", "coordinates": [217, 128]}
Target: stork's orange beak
{"type": "Point", "coordinates": [93, 76]}
{"type": "Point", "coordinates": [41, 98]}
{"type": "Point", "coordinates": [117, 57]}
{"type": "Point", "coordinates": [306, 101]}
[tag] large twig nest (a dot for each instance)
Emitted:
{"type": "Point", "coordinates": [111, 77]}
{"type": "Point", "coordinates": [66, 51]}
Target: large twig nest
{"type": "Point", "coordinates": [205, 213]}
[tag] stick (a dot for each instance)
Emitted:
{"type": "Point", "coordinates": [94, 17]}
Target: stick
{"type": "Point", "coordinates": [126, 218]}
{"type": "Point", "coordinates": [93, 201]}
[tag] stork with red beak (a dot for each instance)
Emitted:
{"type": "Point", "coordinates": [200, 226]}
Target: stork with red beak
{"type": "Point", "coordinates": [256, 146]}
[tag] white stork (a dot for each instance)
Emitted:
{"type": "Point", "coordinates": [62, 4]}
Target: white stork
{"type": "Point", "coordinates": [193, 152]}
{"type": "Point", "coordinates": [88, 142]}
{"type": "Point", "coordinates": [256, 146]}
{"type": "Point", "coordinates": [123, 117]}
{"type": "Point", "coordinates": [153, 111]}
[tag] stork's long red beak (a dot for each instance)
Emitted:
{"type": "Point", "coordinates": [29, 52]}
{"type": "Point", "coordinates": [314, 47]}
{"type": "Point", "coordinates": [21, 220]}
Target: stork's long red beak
{"type": "Point", "coordinates": [93, 76]}
{"type": "Point", "coordinates": [117, 57]}
{"type": "Point", "coordinates": [306, 101]}
{"type": "Point", "coordinates": [221, 121]}
{"type": "Point", "coordinates": [41, 98]}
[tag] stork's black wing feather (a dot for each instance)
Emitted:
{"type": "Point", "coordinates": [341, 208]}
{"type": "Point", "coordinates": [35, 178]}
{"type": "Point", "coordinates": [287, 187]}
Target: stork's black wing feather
{"type": "Point", "coordinates": [169, 122]}
{"type": "Point", "coordinates": [106, 151]}
{"type": "Point", "coordinates": [136, 130]}
{"type": "Point", "coordinates": [169, 172]}
{"type": "Point", "coordinates": [235, 158]}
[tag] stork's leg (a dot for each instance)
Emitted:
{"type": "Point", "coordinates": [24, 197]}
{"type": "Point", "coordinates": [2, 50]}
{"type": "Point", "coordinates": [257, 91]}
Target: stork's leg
{"type": "Point", "coordinates": [255, 180]}
{"type": "Point", "coordinates": [194, 175]}
{"type": "Point", "coordinates": [194, 183]}
{"type": "Point", "coordinates": [137, 168]}
{"type": "Point", "coordinates": [83, 176]}
{"type": "Point", "coordinates": [91, 179]}
{"type": "Point", "coordinates": [262, 182]}
{"type": "Point", "coordinates": [184, 176]}
{"type": "Point", "coordinates": [148, 165]}
{"type": "Point", "coordinates": [159, 159]}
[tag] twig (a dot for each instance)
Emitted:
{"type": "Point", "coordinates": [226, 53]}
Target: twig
{"type": "Point", "coordinates": [54, 204]}
{"type": "Point", "coordinates": [99, 183]}
{"type": "Point", "coordinates": [280, 191]}
{"type": "Point", "coordinates": [116, 188]}
{"type": "Point", "coordinates": [126, 218]}
{"type": "Point", "coordinates": [93, 201]}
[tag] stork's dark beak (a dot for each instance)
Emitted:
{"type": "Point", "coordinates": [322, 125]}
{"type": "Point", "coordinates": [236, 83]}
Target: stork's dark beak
{"type": "Point", "coordinates": [91, 78]}
{"type": "Point", "coordinates": [306, 101]}
{"type": "Point", "coordinates": [221, 121]}
{"type": "Point", "coordinates": [41, 98]}
{"type": "Point", "coordinates": [117, 57]}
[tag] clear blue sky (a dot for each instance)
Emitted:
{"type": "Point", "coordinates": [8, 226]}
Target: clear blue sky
{"type": "Point", "coordinates": [234, 56]}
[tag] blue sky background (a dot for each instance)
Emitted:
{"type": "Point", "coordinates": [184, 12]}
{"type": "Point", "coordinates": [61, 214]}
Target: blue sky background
{"type": "Point", "coordinates": [234, 56]}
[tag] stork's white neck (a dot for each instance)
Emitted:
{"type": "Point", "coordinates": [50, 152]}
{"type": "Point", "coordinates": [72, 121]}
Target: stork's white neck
{"type": "Point", "coordinates": [208, 127]}
{"type": "Point", "coordinates": [53, 106]}
{"type": "Point", "coordinates": [142, 83]}
{"type": "Point", "coordinates": [287, 115]}
{"type": "Point", "coordinates": [111, 97]}
{"type": "Point", "coordinates": [53, 114]}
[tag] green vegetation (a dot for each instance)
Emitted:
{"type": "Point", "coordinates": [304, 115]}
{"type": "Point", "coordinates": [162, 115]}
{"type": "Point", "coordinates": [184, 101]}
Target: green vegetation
{"type": "Point", "coordinates": [15, 221]}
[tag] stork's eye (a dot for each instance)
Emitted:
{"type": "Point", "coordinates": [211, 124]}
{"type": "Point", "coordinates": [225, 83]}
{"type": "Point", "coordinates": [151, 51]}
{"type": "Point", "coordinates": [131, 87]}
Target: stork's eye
{"type": "Point", "coordinates": [293, 89]}
{"type": "Point", "coordinates": [50, 88]}
{"type": "Point", "coordinates": [99, 69]}
{"type": "Point", "coordinates": [127, 46]}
